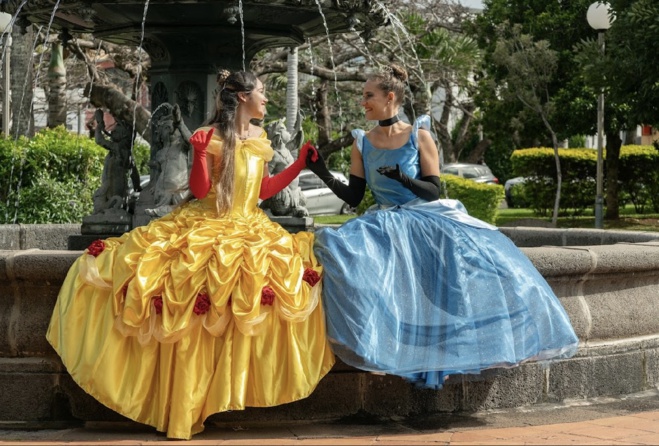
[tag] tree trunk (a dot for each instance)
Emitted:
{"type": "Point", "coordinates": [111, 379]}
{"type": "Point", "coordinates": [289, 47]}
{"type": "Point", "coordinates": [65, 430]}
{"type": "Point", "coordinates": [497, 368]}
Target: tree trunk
{"type": "Point", "coordinates": [57, 84]}
{"type": "Point", "coordinates": [478, 152]}
{"type": "Point", "coordinates": [613, 144]}
{"type": "Point", "coordinates": [443, 131]}
{"type": "Point", "coordinates": [322, 115]}
{"type": "Point", "coordinates": [120, 106]}
{"type": "Point", "coordinates": [22, 82]}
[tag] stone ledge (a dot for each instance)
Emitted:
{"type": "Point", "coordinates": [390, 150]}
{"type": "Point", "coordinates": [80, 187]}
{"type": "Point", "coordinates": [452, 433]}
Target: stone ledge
{"type": "Point", "coordinates": [36, 390]}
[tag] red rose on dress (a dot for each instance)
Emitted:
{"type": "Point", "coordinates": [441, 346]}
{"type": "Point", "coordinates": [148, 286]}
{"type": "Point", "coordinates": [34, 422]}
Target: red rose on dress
{"type": "Point", "coordinates": [157, 302]}
{"type": "Point", "coordinates": [96, 247]}
{"type": "Point", "coordinates": [267, 296]}
{"type": "Point", "coordinates": [311, 276]}
{"type": "Point", "coordinates": [202, 304]}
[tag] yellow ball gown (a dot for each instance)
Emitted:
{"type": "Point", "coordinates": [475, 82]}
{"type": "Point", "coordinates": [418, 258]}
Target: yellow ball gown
{"type": "Point", "coordinates": [196, 314]}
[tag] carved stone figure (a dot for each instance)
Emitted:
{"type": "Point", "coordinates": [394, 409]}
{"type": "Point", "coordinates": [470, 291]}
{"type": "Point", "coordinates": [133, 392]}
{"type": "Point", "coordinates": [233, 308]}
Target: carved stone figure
{"type": "Point", "coordinates": [119, 164]}
{"type": "Point", "coordinates": [171, 159]}
{"type": "Point", "coordinates": [188, 97]}
{"type": "Point", "coordinates": [290, 201]}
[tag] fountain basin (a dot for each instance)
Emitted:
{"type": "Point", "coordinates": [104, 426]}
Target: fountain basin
{"type": "Point", "coordinates": [610, 292]}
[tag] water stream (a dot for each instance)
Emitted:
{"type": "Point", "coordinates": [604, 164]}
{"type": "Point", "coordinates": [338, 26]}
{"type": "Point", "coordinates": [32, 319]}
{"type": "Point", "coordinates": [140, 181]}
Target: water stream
{"type": "Point", "coordinates": [139, 73]}
{"type": "Point", "coordinates": [331, 54]}
{"type": "Point", "coordinates": [242, 29]}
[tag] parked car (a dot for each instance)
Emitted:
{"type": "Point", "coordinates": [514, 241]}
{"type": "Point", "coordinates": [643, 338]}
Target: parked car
{"type": "Point", "coordinates": [479, 173]}
{"type": "Point", "coordinates": [508, 189]}
{"type": "Point", "coordinates": [320, 198]}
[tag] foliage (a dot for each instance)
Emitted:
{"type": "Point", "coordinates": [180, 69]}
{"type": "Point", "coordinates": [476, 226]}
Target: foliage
{"type": "Point", "coordinates": [541, 19]}
{"type": "Point", "coordinates": [50, 178]}
{"type": "Point", "coordinates": [631, 74]}
{"type": "Point", "coordinates": [142, 155]}
{"type": "Point", "coordinates": [638, 178]}
{"type": "Point", "coordinates": [481, 200]}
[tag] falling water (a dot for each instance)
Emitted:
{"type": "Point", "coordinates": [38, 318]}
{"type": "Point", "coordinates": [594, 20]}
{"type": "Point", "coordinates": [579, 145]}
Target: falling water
{"type": "Point", "coordinates": [7, 30]}
{"type": "Point", "coordinates": [242, 29]}
{"type": "Point", "coordinates": [139, 72]}
{"type": "Point", "coordinates": [153, 113]}
{"type": "Point", "coordinates": [331, 53]}
{"type": "Point", "coordinates": [398, 26]}
{"type": "Point", "coordinates": [38, 68]}
{"type": "Point", "coordinates": [313, 87]}
{"type": "Point", "coordinates": [17, 125]}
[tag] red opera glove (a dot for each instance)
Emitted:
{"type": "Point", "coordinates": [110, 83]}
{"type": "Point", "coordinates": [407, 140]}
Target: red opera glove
{"type": "Point", "coordinates": [270, 186]}
{"type": "Point", "coordinates": [200, 182]}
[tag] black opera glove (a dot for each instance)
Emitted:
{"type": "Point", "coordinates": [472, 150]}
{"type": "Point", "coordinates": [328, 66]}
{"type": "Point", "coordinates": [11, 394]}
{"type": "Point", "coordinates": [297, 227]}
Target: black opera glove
{"type": "Point", "coordinates": [352, 193]}
{"type": "Point", "coordinates": [428, 187]}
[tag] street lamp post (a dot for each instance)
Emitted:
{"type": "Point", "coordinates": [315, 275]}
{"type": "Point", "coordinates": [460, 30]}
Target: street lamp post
{"type": "Point", "coordinates": [599, 18]}
{"type": "Point", "coordinates": [5, 28]}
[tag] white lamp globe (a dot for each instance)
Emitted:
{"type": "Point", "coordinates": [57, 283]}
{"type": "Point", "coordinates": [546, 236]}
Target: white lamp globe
{"type": "Point", "coordinates": [5, 20]}
{"type": "Point", "coordinates": [599, 16]}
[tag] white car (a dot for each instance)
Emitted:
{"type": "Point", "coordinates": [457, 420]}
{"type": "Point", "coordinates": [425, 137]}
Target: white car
{"type": "Point", "coordinates": [320, 200]}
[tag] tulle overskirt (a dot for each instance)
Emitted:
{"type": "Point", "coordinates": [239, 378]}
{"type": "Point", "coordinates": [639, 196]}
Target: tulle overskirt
{"type": "Point", "coordinates": [424, 290]}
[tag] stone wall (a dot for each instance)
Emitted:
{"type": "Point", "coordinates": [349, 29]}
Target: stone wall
{"type": "Point", "coordinates": [611, 293]}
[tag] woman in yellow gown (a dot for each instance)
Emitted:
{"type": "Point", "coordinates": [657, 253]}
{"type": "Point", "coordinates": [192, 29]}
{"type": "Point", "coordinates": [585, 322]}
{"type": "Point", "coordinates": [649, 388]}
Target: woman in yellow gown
{"type": "Point", "coordinates": [211, 308]}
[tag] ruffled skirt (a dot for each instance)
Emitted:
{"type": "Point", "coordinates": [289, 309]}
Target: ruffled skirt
{"type": "Point", "coordinates": [193, 315]}
{"type": "Point", "coordinates": [424, 290]}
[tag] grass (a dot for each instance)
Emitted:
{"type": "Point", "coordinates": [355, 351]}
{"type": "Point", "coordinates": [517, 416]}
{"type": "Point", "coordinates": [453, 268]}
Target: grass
{"type": "Point", "coordinates": [629, 219]}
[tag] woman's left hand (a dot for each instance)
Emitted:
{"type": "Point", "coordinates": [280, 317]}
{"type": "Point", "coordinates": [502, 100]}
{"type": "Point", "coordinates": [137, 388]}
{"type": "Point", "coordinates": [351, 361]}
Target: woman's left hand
{"type": "Point", "coordinates": [391, 172]}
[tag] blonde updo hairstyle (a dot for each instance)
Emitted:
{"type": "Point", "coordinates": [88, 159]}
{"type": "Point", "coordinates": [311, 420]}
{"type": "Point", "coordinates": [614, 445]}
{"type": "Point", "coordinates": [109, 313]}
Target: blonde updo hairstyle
{"type": "Point", "coordinates": [224, 120]}
{"type": "Point", "coordinates": [392, 79]}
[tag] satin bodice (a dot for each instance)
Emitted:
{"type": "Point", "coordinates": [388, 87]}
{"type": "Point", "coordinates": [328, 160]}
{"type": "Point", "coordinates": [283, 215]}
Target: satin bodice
{"type": "Point", "coordinates": [251, 157]}
{"type": "Point", "coordinates": [388, 192]}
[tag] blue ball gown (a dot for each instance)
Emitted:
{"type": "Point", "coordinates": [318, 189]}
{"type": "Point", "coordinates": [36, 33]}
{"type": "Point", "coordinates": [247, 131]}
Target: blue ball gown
{"type": "Point", "coordinates": [422, 290]}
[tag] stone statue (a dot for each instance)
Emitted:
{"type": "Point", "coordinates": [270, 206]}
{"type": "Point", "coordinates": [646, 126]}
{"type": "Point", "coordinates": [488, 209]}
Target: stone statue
{"type": "Point", "coordinates": [171, 159]}
{"type": "Point", "coordinates": [119, 164]}
{"type": "Point", "coordinates": [290, 201]}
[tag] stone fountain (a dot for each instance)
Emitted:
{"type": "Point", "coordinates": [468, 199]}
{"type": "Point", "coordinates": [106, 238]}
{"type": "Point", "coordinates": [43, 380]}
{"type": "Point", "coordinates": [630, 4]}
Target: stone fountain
{"type": "Point", "coordinates": [187, 42]}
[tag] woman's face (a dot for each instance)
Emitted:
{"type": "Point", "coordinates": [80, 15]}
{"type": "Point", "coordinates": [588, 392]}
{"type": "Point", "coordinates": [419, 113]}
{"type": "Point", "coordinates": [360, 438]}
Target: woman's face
{"type": "Point", "coordinates": [255, 102]}
{"type": "Point", "coordinates": [376, 103]}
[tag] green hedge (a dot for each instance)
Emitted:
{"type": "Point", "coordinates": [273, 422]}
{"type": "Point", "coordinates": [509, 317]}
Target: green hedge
{"type": "Point", "coordinates": [52, 177]}
{"type": "Point", "coordinates": [481, 200]}
{"type": "Point", "coordinates": [638, 178]}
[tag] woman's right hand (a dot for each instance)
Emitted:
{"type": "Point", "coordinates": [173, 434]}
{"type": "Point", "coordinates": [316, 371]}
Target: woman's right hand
{"type": "Point", "coordinates": [201, 139]}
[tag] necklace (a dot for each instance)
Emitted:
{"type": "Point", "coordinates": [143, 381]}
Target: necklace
{"type": "Point", "coordinates": [388, 122]}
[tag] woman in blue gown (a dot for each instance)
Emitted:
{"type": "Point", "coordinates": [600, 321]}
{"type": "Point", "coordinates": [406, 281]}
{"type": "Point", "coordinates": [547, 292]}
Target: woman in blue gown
{"type": "Point", "coordinates": [416, 287]}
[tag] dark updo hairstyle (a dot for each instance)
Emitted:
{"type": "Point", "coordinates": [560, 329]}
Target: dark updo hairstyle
{"type": "Point", "coordinates": [392, 79]}
{"type": "Point", "coordinates": [224, 120]}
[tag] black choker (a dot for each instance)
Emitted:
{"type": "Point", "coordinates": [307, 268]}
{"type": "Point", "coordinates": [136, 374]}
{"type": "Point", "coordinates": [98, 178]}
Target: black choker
{"type": "Point", "coordinates": [388, 122]}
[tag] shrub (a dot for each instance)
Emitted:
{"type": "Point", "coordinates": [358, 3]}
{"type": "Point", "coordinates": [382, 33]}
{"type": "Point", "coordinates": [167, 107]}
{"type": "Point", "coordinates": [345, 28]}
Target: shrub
{"type": "Point", "coordinates": [481, 200]}
{"type": "Point", "coordinates": [51, 178]}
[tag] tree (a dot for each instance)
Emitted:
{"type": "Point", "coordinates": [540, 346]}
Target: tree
{"type": "Point", "coordinates": [425, 37]}
{"type": "Point", "coordinates": [631, 69]}
{"type": "Point", "coordinates": [529, 68]}
{"type": "Point", "coordinates": [574, 94]}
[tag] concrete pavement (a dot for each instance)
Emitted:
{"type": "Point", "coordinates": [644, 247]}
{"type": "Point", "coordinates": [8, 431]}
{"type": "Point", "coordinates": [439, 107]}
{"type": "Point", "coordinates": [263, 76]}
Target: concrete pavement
{"type": "Point", "coordinates": [632, 419]}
